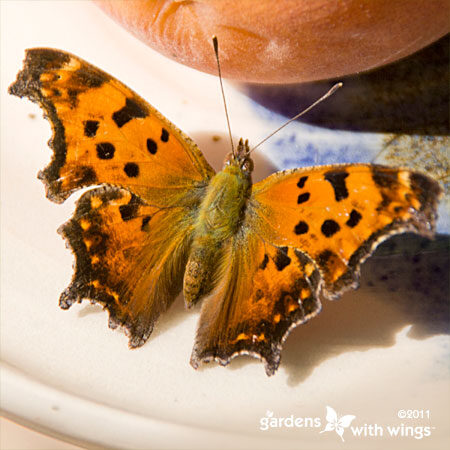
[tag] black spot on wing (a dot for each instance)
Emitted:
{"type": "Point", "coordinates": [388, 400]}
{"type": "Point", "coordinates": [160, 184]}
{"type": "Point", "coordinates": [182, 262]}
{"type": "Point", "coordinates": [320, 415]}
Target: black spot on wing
{"type": "Point", "coordinates": [354, 219]}
{"type": "Point", "coordinates": [301, 182]}
{"type": "Point", "coordinates": [301, 228]}
{"type": "Point", "coordinates": [282, 260]}
{"type": "Point", "coordinates": [131, 169]}
{"type": "Point", "coordinates": [302, 198]}
{"type": "Point", "coordinates": [130, 111]}
{"type": "Point", "coordinates": [105, 150]}
{"type": "Point", "coordinates": [329, 228]}
{"type": "Point", "coordinates": [152, 146]}
{"type": "Point", "coordinates": [131, 209]}
{"type": "Point", "coordinates": [164, 135]}
{"type": "Point", "coordinates": [127, 212]}
{"type": "Point", "coordinates": [91, 127]}
{"type": "Point", "coordinates": [337, 180]}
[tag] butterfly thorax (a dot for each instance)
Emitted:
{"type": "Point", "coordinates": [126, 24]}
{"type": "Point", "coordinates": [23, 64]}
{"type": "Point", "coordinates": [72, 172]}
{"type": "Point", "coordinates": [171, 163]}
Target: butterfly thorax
{"type": "Point", "coordinates": [219, 218]}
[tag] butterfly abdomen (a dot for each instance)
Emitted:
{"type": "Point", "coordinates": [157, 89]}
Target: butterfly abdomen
{"type": "Point", "coordinates": [219, 218]}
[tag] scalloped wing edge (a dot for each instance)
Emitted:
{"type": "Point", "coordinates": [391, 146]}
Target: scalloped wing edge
{"type": "Point", "coordinates": [270, 363]}
{"type": "Point", "coordinates": [270, 357]}
{"type": "Point", "coordinates": [422, 223]}
{"type": "Point", "coordinates": [28, 84]}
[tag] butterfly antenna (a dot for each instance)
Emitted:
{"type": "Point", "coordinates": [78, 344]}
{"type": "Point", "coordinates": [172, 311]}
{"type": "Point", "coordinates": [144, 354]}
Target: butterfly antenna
{"type": "Point", "coordinates": [321, 99]}
{"type": "Point", "coordinates": [216, 51]}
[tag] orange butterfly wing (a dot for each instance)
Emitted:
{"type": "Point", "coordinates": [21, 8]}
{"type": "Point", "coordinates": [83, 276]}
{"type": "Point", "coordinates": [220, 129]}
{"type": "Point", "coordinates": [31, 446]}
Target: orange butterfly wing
{"type": "Point", "coordinates": [306, 233]}
{"type": "Point", "coordinates": [263, 293]}
{"type": "Point", "coordinates": [131, 236]}
{"type": "Point", "coordinates": [130, 257]}
{"type": "Point", "coordinates": [104, 133]}
{"type": "Point", "coordinates": [337, 215]}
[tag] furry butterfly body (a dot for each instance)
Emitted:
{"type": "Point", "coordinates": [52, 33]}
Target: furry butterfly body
{"type": "Point", "coordinates": [161, 221]}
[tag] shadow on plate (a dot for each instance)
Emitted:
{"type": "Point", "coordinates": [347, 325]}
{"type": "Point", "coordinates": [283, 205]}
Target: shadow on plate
{"type": "Point", "coordinates": [410, 96]}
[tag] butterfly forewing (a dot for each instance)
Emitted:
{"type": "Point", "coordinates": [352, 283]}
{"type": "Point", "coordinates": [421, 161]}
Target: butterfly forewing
{"type": "Point", "coordinates": [105, 133]}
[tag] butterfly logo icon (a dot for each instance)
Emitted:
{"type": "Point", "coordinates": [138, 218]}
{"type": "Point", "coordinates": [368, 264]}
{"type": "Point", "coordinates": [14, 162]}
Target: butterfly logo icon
{"type": "Point", "coordinates": [336, 424]}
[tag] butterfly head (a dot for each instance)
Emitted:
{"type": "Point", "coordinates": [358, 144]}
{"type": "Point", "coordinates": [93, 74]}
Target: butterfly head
{"type": "Point", "coordinates": [241, 157]}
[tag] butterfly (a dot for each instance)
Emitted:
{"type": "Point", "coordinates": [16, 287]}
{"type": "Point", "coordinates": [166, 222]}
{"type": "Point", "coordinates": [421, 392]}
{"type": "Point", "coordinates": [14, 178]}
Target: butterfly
{"type": "Point", "coordinates": [158, 220]}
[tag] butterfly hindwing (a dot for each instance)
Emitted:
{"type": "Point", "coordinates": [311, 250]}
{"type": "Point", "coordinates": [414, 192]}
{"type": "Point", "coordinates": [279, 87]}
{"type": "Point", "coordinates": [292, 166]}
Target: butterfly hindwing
{"type": "Point", "coordinates": [337, 215]}
{"type": "Point", "coordinates": [264, 292]}
{"type": "Point", "coordinates": [130, 257]}
{"type": "Point", "coordinates": [105, 133]}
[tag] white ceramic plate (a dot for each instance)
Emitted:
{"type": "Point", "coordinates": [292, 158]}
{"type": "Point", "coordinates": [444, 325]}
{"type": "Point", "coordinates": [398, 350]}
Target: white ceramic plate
{"type": "Point", "coordinates": [66, 373]}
